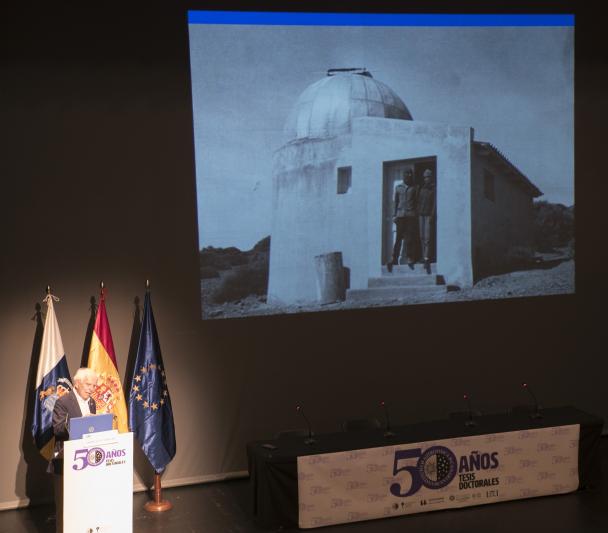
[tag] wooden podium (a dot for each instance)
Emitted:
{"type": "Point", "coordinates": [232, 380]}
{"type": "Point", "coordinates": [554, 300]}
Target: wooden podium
{"type": "Point", "coordinates": [98, 483]}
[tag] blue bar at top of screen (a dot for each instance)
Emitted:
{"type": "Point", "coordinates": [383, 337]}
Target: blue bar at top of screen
{"type": "Point", "coordinates": [376, 19]}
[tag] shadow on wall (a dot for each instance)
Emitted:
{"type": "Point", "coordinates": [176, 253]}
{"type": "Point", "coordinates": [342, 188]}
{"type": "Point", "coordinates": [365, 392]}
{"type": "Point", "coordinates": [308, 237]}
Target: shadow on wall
{"type": "Point", "coordinates": [133, 343]}
{"type": "Point", "coordinates": [89, 334]}
{"type": "Point", "coordinates": [141, 465]}
{"type": "Point", "coordinates": [38, 484]}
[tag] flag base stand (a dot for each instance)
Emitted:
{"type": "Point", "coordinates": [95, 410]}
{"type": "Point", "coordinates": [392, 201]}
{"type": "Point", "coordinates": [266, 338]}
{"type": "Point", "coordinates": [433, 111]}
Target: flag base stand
{"type": "Point", "coordinates": [158, 505]}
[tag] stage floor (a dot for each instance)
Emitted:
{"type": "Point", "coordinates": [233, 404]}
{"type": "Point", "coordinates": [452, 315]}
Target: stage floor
{"type": "Point", "coordinates": [224, 507]}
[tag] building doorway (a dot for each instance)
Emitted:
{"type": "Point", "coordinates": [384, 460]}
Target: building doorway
{"type": "Point", "coordinates": [392, 176]}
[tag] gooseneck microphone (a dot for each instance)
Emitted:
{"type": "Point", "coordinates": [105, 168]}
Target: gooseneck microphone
{"type": "Point", "coordinates": [310, 440]}
{"type": "Point", "coordinates": [536, 413]}
{"type": "Point", "coordinates": [387, 433]}
{"type": "Point", "coordinates": [469, 422]}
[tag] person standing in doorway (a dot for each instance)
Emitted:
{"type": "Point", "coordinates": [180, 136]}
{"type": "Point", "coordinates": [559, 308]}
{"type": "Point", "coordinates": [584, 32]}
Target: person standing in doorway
{"type": "Point", "coordinates": [404, 217]}
{"type": "Point", "coordinates": [427, 209]}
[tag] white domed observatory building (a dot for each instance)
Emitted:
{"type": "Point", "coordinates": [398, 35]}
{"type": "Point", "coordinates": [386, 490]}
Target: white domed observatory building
{"type": "Point", "coordinates": [348, 140]}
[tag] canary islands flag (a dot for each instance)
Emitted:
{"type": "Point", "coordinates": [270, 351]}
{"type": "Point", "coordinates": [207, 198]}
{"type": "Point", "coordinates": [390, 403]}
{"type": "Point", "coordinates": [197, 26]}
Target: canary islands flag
{"type": "Point", "coordinates": [52, 381]}
{"type": "Point", "coordinates": [150, 412]}
{"type": "Point", "coordinates": [108, 395]}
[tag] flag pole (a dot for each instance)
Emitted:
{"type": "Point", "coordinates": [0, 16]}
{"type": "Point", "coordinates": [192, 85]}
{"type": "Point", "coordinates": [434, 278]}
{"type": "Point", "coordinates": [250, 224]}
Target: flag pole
{"type": "Point", "coordinates": [158, 505]}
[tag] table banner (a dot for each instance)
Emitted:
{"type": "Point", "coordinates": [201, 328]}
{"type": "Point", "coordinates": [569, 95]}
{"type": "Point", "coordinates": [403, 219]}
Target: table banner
{"type": "Point", "coordinates": [336, 488]}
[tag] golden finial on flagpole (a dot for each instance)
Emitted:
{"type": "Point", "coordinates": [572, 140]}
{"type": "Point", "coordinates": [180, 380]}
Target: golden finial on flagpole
{"type": "Point", "coordinates": [147, 285]}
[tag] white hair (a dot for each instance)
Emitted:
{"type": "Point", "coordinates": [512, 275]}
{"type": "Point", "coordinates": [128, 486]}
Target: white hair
{"type": "Point", "coordinates": [84, 373]}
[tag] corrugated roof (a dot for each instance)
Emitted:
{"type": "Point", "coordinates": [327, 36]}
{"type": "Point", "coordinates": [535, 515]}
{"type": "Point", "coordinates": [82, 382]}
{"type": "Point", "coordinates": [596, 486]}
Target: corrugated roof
{"type": "Point", "coordinates": [489, 150]}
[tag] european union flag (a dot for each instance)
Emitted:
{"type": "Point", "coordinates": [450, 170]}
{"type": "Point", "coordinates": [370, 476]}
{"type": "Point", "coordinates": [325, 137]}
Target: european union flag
{"type": "Point", "coordinates": [150, 413]}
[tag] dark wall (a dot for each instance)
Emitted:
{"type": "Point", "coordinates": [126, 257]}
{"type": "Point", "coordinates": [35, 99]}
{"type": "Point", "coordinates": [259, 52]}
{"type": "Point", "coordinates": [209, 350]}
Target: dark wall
{"type": "Point", "coordinates": [98, 183]}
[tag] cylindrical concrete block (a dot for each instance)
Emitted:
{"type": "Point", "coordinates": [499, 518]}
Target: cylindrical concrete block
{"type": "Point", "coordinates": [330, 277]}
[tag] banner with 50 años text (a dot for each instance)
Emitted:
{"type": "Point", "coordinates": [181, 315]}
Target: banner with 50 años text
{"type": "Point", "coordinates": [356, 485]}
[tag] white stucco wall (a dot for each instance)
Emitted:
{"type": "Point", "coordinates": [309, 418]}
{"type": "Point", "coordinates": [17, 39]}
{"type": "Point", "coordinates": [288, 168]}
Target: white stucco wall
{"type": "Point", "coordinates": [310, 218]}
{"type": "Point", "coordinates": [381, 140]}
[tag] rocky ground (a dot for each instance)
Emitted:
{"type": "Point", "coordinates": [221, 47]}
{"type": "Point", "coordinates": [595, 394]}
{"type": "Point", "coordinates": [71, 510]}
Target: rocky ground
{"type": "Point", "coordinates": [553, 278]}
{"type": "Point", "coordinates": [553, 275]}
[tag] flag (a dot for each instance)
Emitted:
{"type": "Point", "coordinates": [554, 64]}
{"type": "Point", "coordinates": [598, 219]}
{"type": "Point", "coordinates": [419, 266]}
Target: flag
{"type": "Point", "coordinates": [52, 381]}
{"type": "Point", "coordinates": [150, 413]}
{"type": "Point", "coordinates": [108, 395]}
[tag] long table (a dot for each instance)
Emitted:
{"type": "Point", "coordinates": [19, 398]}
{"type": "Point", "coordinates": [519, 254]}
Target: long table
{"type": "Point", "coordinates": [360, 475]}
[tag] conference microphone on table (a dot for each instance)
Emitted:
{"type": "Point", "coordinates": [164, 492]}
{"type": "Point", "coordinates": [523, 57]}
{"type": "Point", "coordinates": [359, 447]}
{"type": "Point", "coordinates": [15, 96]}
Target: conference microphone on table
{"type": "Point", "coordinates": [536, 413]}
{"type": "Point", "coordinates": [387, 433]}
{"type": "Point", "coordinates": [310, 439]}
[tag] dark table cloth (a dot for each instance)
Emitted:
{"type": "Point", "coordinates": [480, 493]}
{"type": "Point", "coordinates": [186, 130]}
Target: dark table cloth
{"type": "Point", "coordinates": [274, 477]}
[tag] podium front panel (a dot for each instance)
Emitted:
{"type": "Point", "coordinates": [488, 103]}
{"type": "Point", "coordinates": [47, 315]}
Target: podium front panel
{"type": "Point", "coordinates": [98, 483]}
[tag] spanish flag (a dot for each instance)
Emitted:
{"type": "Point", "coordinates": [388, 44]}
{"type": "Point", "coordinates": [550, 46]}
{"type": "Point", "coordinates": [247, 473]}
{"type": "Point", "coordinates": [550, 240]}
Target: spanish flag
{"type": "Point", "coordinates": [108, 396]}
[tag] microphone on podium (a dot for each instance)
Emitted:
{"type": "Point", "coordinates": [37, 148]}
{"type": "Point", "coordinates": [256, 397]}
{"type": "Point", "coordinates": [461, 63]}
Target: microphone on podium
{"type": "Point", "coordinates": [536, 413]}
{"type": "Point", "coordinates": [469, 422]}
{"type": "Point", "coordinates": [310, 440]}
{"type": "Point", "coordinates": [387, 432]}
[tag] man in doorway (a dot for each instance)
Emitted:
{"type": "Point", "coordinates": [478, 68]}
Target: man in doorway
{"type": "Point", "coordinates": [76, 403]}
{"type": "Point", "coordinates": [427, 208]}
{"type": "Point", "coordinates": [404, 217]}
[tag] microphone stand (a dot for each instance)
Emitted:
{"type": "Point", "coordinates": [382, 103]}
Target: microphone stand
{"type": "Point", "coordinates": [469, 422]}
{"type": "Point", "coordinates": [536, 414]}
{"type": "Point", "coordinates": [310, 440]}
{"type": "Point", "coordinates": [387, 433]}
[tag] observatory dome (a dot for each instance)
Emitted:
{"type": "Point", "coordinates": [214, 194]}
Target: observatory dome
{"type": "Point", "coordinates": [327, 107]}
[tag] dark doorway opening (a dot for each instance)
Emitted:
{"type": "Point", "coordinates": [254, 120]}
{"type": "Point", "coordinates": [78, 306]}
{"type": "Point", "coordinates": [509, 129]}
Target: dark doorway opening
{"type": "Point", "coordinates": [393, 176]}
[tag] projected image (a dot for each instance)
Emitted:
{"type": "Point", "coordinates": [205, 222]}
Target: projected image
{"type": "Point", "coordinates": [344, 166]}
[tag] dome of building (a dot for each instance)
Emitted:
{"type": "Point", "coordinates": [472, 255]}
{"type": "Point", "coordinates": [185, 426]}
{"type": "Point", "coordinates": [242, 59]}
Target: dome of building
{"type": "Point", "coordinates": [327, 107]}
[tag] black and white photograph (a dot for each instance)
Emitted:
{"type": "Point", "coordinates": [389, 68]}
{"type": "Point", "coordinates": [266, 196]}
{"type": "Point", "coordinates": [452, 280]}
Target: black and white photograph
{"type": "Point", "coordinates": [342, 167]}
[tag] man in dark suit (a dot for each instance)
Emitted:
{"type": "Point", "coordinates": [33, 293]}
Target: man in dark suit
{"type": "Point", "coordinates": [405, 220]}
{"type": "Point", "coordinates": [74, 404]}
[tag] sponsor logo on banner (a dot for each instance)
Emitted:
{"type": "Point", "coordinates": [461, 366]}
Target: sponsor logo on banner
{"type": "Point", "coordinates": [497, 437]}
{"type": "Point", "coordinates": [339, 472]}
{"type": "Point", "coordinates": [339, 502]}
{"type": "Point", "coordinates": [355, 456]}
{"type": "Point", "coordinates": [393, 480]}
{"type": "Point", "coordinates": [355, 485]}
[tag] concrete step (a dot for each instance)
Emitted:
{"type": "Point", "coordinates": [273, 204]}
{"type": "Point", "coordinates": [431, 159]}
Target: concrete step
{"type": "Point", "coordinates": [380, 294]}
{"type": "Point", "coordinates": [398, 280]}
{"type": "Point", "coordinates": [405, 270]}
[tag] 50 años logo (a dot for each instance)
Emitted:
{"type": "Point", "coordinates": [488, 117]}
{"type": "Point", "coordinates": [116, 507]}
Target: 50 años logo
{"type": "Point", "coordinates": [94, 457]}
{"type": "Point", "coordinates": [435, 468]}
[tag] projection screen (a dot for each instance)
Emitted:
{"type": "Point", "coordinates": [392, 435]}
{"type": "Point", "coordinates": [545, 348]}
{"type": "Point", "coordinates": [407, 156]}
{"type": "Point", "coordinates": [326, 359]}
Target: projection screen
{"type": "Point", "coordinates": [350, 161]}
